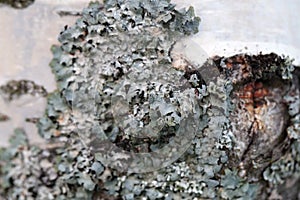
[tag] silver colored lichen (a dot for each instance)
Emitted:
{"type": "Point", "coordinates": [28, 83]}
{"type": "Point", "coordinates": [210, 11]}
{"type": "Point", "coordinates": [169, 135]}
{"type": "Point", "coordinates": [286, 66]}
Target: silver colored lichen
{"type": "Point", "coordinates": [122, 95]}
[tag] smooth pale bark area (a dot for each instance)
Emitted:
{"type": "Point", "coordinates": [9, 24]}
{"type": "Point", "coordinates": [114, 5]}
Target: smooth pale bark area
{"type": "Point", "coordinates": [229, 27]}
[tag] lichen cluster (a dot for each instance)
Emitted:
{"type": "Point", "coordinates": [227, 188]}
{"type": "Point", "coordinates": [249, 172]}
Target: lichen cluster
{"type": "Point", "coordinates": [126, 123]}
{"type": "Point", "coordinates": [14, 89]}
{"type": "Point", "coordinates": [19, 4]}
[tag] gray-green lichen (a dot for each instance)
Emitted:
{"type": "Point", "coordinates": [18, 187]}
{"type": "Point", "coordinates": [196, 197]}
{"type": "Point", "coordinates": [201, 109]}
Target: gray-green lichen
{"type": "Point", "coordinates": [47, 172]}
{"type": "Point", "coordinates": [120, 96]}
{"type": "Point", "coordinates": [122, 55]}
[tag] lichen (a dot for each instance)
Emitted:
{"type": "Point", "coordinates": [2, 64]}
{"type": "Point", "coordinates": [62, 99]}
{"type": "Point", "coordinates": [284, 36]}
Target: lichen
{"type": "Point", "coordinates": [16, 88]}
{"type": "Point", "coordinates": [236, 187]}
{"type": "Point", "coordinates": [47, 172]}
{"type": "Point", "coordinates": [19, 4]}
{"type": "Point", "coordinates": [128, 122]}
